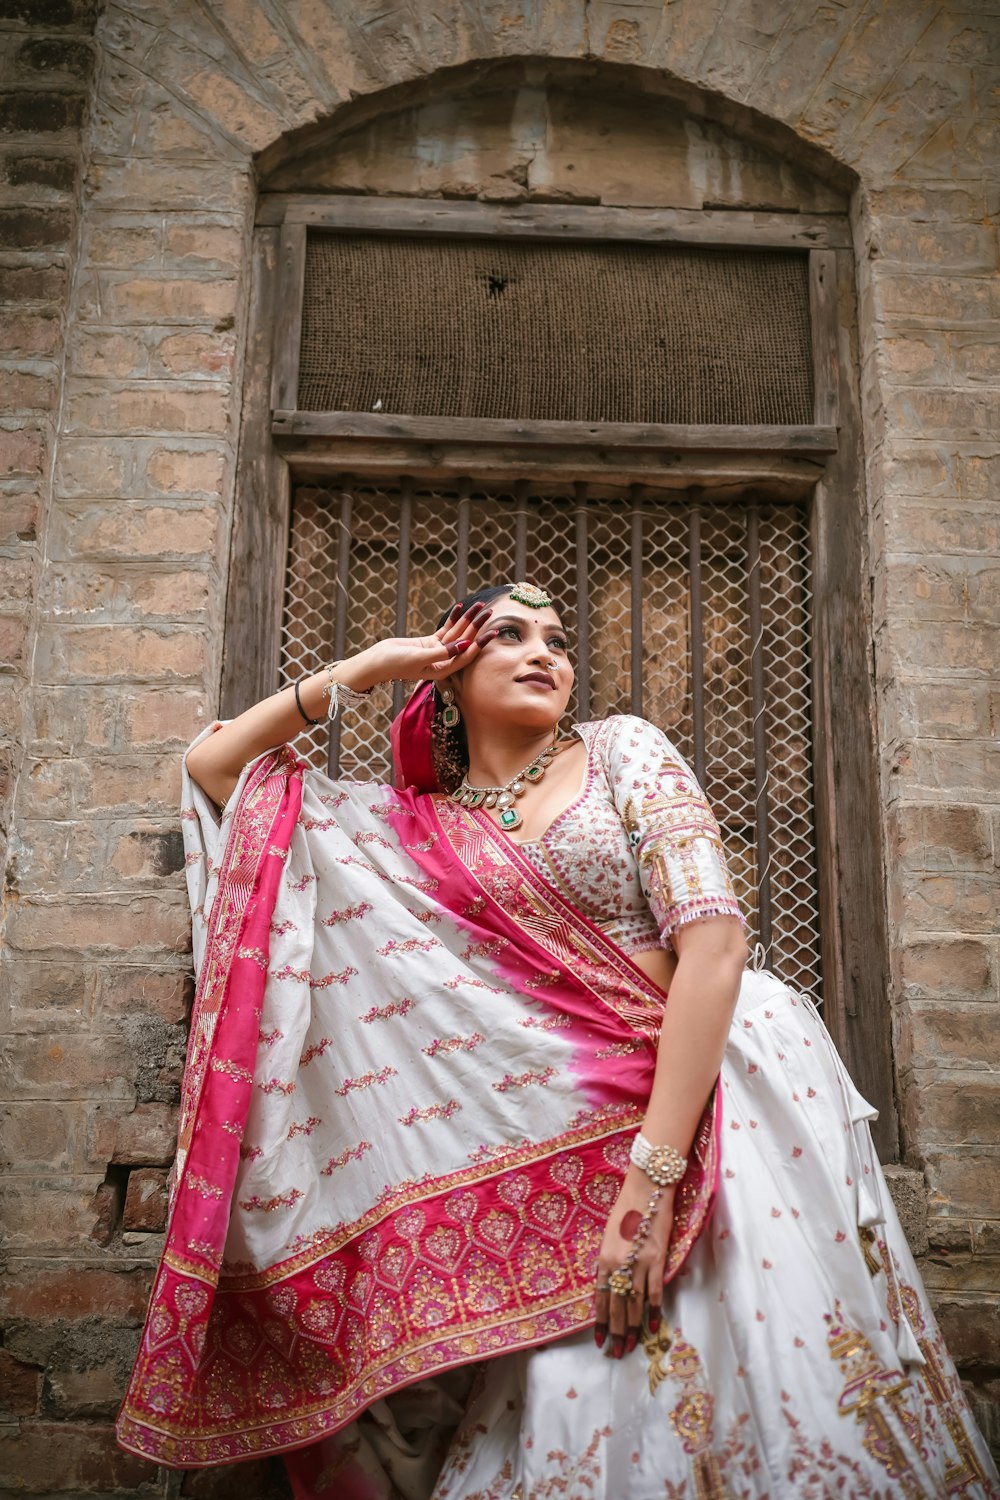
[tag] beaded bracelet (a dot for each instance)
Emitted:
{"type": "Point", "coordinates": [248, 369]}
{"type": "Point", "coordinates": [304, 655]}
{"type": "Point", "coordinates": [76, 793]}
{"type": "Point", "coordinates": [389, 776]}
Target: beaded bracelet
{"type": "Point", "coordinates": [336, 690]}
{"type": "Point", "coordinates": [663, 1165]}
{"type": "Point", "coordinates": [333, 691]}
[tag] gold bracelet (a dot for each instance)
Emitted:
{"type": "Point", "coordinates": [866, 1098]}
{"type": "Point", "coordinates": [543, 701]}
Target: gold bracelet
{"type": "Point", "coordinates": [663, 1165]}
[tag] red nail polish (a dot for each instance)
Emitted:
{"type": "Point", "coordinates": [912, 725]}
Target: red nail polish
{"type": "Point", "coordinates": [630, 1343]}
{"type": "Point", "coordinates": [462, 646]}
{"type": "Point", "coordinates": [599, 1338]}
{"type": "Point", "coordinates": [654, 1325]}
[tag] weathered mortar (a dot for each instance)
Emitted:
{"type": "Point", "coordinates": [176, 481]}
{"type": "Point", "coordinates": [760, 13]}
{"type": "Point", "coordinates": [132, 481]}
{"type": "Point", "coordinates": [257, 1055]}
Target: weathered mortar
{"type": "Point", "coordinates": [116, 464]}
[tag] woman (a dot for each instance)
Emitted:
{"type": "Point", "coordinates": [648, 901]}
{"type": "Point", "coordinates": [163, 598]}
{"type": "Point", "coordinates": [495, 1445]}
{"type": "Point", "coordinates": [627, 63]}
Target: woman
{"type": "Point", "coordinates": [440, 1135]}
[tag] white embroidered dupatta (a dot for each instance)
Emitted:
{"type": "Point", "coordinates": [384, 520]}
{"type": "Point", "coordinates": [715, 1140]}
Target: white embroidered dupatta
{"type": "Point", "coordinates": [413, 1079]}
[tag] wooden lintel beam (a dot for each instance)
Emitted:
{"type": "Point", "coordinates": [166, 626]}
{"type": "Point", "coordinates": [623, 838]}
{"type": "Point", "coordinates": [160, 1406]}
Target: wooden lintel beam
{"type": "Point", "coordinates": [541, 221]}
{"type": "Point", "coordinates": [717, 475]}
{"type": "Point", "coordinates": [606, 435]}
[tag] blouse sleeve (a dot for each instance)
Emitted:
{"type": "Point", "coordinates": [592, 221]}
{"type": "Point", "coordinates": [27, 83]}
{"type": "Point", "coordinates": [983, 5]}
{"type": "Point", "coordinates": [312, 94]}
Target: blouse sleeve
{"type": "Point", "coordinates": [672, 829]}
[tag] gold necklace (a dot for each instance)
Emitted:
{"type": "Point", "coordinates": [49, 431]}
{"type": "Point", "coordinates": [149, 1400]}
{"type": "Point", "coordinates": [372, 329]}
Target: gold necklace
{"type": "Point", "coordinates": [504, 796]}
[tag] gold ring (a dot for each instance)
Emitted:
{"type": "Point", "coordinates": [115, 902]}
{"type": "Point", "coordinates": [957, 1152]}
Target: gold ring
{"type": "Point", "coordinates": [620, 1284]}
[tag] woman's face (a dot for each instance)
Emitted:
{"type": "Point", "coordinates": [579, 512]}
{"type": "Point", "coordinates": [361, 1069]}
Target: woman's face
{"type": "Point", "coordinates": [523, 675]}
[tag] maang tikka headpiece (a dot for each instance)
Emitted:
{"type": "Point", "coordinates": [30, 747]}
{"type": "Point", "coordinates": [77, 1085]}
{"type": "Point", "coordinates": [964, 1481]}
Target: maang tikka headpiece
{"type": "Point", "coordinates": [531, 595]}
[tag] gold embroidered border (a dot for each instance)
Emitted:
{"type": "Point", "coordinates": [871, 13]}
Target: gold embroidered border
{"type": "Point", "coordinates": [328, 1242]}
{"type": "Point", "coordinates": [154, 1439]}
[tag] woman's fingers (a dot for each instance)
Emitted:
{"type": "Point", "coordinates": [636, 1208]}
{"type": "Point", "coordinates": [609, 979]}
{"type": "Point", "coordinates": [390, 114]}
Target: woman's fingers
{"type": "Point", "coordinates": [462, 625]}
{"type": "Point", "coordinates": [461, 652]}
{"type": "Point", "coordinates": [618, 1322]}
{"type": "Point", "coordinates": [654, 1294]}
{"type": "Point", "coordinates": [461, 620]}
{"type": "Point", "coordinates": [633, 1312]}
{"type": "Point", "coordinates": [609, 1322]}
{"type": "Point", "coordinates": [602, 1314]}
{"type": "Point", "coordinates": [450, 625]}
{"type": "Point", "coordinates": [620, 1318]}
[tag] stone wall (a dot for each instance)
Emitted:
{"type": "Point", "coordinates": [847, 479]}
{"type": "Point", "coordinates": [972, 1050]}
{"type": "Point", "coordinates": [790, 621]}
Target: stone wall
{"type": "Point", "coordinates": [126, 207]}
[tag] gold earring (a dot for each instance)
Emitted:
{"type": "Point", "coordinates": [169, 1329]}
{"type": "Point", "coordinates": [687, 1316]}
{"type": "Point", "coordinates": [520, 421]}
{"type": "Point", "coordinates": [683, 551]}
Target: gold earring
{"type": "Point", "coordinates": [451, 716]}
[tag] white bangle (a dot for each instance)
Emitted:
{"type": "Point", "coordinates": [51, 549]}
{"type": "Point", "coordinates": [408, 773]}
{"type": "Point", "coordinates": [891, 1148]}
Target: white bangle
{"type": "Point", "coordinates": [663, 1165]}
{"type": "Point", "coordinates": [335, 690]}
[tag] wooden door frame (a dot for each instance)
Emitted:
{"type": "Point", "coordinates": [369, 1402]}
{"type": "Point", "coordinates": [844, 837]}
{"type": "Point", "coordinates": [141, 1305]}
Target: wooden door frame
{"type": "Point", "coordinates": [822, 466]}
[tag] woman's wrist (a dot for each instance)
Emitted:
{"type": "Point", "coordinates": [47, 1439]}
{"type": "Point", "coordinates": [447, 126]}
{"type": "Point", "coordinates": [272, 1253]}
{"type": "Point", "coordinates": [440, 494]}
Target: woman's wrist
{"type": "Point", "coordinates": [363, 671]}
{"type": "Point", "coordinates": [359, 674]}
{"type": "Point", "coordinates": [636, 1180]}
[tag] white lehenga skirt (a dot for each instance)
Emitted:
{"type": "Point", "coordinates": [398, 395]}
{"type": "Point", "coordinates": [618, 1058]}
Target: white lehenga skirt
{"type": "Point", "coordinates": [797, 1356]}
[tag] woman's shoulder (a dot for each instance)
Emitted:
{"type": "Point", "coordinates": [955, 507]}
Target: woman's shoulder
{"type": "Point", "coordinates": [623, 731]}
{"type": "Point", "coordinates": [628, 748]}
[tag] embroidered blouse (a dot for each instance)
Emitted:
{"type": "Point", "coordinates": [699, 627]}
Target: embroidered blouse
{"type": "Point", "coordinates": [638, 851]}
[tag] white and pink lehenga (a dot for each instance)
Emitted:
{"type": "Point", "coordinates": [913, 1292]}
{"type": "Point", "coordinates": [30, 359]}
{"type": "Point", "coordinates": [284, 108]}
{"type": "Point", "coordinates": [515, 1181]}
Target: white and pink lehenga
{"type": "Point", "coordinates": [418, 1056]}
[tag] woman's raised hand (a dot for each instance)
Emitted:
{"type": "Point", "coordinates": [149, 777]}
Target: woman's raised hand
{"type": "Point", "coordinates": [433, 657]}
{"type": "Point", "coordinates": [216, 763]}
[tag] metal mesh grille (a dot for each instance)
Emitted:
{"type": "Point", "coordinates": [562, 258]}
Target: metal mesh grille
{"type": "Point", "coordinates": [697, 617]}
{"type": "Point", "coordinates": [555, 332]}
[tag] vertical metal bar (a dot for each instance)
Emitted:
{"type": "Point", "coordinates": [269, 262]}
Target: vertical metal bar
{"type": "Point", "coordinates": [697, 643]}
{"type": "Point", "coordinates": [635, 621]}
{"type": "Point", "coordinates": [520, 530]}
{"type": "Point", "coordinates": [582, 606]}
{"type": "Point", "coordinates": [462, 539]}
{"type": "Point", "coordinates": [340, 606]}
{"type": "Point", "coordinates": [759, 741]}
{"type": "Point", "coordinates": [403, 578]}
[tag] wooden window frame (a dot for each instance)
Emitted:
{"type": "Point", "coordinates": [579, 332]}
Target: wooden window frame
{"type": "Point", "coordinates": [821, 464]}
{"type": "Point", "coordinates": [815, 234]}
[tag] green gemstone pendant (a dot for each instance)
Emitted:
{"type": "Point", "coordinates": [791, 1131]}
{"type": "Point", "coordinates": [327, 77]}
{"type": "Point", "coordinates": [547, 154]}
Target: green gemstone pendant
{"type": "Point", "coordinates": [501, 798]}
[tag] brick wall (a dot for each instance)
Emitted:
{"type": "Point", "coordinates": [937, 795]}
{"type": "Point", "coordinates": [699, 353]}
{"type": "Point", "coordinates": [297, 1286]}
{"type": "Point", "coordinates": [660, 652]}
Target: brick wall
{"type": "Point", "coordinates": [122, 307]}
{"type": "Point", "coordinates": [45, 74]}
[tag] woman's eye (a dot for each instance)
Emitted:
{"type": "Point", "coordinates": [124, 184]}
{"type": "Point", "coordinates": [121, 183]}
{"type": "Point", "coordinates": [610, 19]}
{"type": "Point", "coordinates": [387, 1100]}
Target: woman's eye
{"type": "Point", "coordinates": [557, 644]}
{"type": "Point", "coordinates": [510, 630]}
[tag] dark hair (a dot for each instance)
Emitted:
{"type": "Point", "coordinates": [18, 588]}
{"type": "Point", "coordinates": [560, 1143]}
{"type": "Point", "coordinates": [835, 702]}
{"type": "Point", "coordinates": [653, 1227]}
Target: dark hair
{"type": "Point", "coordinates": [481, 596]}
{"type": "Point", "coordinates": [450, 747]}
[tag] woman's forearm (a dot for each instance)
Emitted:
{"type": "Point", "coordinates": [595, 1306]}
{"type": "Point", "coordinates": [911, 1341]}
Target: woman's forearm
{"type": "Point", "coordinates": [696, 1024]}
{"type": "Point", "coordinates": [217, 762]}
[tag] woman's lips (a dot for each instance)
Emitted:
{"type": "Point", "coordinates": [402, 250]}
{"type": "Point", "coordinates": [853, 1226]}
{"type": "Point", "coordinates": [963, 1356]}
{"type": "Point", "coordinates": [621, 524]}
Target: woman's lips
{"type": "Point", "coordinates": [538, 677]}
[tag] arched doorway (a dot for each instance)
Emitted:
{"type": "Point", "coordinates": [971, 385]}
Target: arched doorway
{"type": "Point", "coordinates": [704, 530]}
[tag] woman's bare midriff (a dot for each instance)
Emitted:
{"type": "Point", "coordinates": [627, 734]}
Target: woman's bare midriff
{"type": "Point", "coordinates": [658, 964]}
